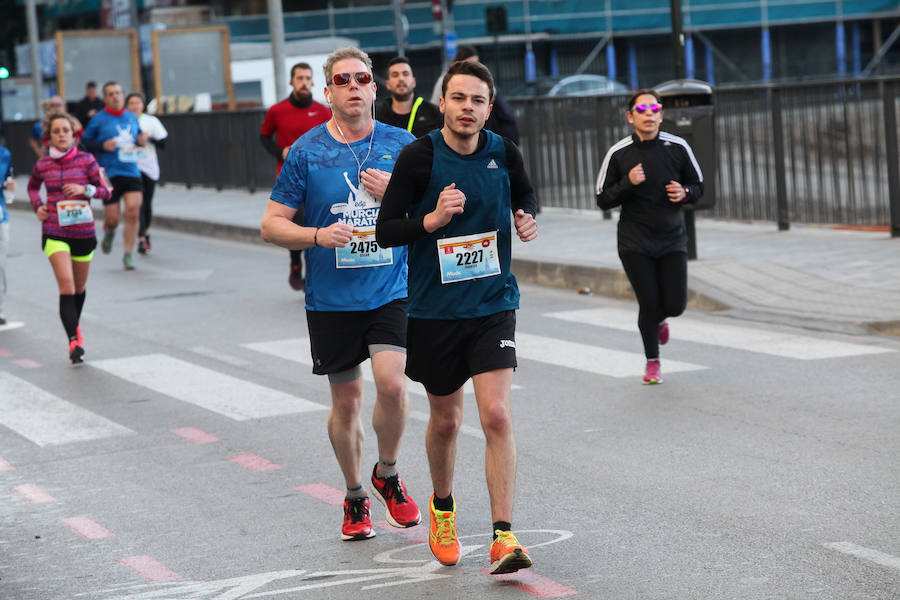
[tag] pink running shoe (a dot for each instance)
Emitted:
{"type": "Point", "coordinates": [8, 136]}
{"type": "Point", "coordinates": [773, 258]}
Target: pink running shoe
{"type": "Point", "coordinates": [652, 374]}
{"type": "Point", "coordinates": [663, 333]}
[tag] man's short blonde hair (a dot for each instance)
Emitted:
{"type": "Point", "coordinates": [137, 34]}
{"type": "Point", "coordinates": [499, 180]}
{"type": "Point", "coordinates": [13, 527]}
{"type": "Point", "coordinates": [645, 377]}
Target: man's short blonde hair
{"type": "Point", "coordinates": [341, 54]}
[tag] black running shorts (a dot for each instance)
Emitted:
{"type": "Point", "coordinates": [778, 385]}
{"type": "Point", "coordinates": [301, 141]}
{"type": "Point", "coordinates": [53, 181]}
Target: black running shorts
{"type": "Point", "coordinates": [340, 340]}
{"type": "Point", "coordinates": [123, 185]}
{"type": "Point", "coordinates": [443, 354]}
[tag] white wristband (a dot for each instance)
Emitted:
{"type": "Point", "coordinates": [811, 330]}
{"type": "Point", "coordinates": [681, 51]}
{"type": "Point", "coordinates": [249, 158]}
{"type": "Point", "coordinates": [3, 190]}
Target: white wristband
{"type": "Point", "coordinates": [90, 190]}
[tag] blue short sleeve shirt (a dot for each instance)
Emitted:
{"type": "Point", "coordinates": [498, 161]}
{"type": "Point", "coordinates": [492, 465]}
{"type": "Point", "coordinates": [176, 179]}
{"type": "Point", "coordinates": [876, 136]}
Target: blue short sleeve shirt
{"type": "Point", "coordinates": [321, 175]}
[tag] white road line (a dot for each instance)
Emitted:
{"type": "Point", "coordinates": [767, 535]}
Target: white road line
{"type": "Point", "coordinates": [218, 392]}
{"type": "Point", "coordinates": [297, 350]}
{"type": "Point", "coordinates": [730, 336]}
{"type": "Point", "coordinates": [11, 325]}
{"type": "Point", "coordinates": [869, 554]}
{"type": "Point", "coordinates": [593, 359]}
{"type": "Point", "coordinates": [48, 420]}
{"type": "Point", "coordinates": [217, 355]}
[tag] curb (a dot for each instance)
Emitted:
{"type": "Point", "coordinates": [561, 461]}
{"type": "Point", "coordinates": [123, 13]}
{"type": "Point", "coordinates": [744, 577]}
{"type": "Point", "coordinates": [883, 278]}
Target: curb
{"type": "Point", "coordinates": [603, 281]}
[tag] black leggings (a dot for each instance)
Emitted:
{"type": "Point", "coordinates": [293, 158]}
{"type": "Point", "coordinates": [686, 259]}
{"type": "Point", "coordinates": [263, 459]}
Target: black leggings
{"type": "Point", "coordinates": [146, 205]}
{"type": "Point", "coordinates": [660, 285]}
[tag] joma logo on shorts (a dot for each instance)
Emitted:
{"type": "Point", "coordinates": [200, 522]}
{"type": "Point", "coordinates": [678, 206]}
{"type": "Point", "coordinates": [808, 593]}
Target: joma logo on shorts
{"type": "Point", "coordinates": [507, 343]}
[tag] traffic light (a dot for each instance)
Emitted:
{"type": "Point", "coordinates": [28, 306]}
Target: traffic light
{"type": "Point", "coordinates": [4, 73]}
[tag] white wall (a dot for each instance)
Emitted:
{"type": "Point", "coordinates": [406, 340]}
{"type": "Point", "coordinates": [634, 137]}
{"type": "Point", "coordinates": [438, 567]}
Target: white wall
{"type": "Point", "coordinates": [260, 70]}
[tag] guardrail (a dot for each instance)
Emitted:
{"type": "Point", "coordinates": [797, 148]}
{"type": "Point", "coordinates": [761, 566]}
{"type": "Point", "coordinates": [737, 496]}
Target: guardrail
{"type": "Point", "coordinates": [821, 152]}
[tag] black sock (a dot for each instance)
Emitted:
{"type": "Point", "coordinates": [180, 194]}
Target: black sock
{"type": "Point", "coordinates": [443, 503]}
{"type": "Point", "coordinates": [502, 526]}
{"type": "Point", "coordinates": [79, 304]}
{"type": "Point", "coordinates": [68, 313]}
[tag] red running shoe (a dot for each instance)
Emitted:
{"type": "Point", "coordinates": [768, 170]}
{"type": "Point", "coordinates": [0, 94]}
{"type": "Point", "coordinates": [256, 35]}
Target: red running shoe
{"type": "Point", "coordinates": [295, 279]}
{"type": "Point", "coordinates": [663, 333]}
{"type": "Point", "coordinates": [652, 374]}
{"type": "Point", "coordinates": [357, 523]}
{"type": "Point", "coordinates": [76, 351]}
{"type": "Point", "coordinates": [80, 337]}
{"type": "Point", "coordinates": [401, 509]}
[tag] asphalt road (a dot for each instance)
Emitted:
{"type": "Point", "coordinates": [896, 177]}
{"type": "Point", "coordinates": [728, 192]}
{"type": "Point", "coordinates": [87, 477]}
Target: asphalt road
{"type": "Point", "coordinates": [188, 458]}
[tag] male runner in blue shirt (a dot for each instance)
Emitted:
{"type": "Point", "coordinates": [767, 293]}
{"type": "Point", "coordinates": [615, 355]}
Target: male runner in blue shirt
{"type": "Point", "coordinates": [355, 290]}
{"type": "Point", "coordinates": [114, 136]}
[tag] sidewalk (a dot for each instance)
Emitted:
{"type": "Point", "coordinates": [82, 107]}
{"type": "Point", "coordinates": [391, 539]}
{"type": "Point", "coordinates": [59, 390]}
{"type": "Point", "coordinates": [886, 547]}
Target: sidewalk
{"type": "Point", "coordinates": [812, 277]}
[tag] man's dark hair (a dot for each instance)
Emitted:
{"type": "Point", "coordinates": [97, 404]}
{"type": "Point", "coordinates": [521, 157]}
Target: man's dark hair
{"type": "Point", "coordinates": [468, 67]}
{"type": "Point", "coordinates": [465, 51]}
{"type": "Point", "coordinates": [90, 84]}
{"type": "Point", "coordinates": [639, 93]}
{"type": "Point", "coordinates": [398, 60]}
{"type": "Point", "coordinates": [300, 65]}
{"type": "Point", "coordinates": [109, 83]}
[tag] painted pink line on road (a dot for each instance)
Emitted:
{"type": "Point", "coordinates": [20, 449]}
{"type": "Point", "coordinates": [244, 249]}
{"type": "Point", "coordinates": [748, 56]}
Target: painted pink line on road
{"type": "Point", "coordinates": [149, 568]}
{"type": "Point", "coordinates": [195, 436]}
{"type": "Point", "coordinates": [27, 363]}
{"type": "Point", "coordinates": [4, 352]}
{"type": "Point", "coordinates": [33, 493]}
{"type": "Point", "coordinates": [5, 466]}
{"type": "Point", "coordinates": [87, 528]}
{"type": "Point", "coordinates": [416, 535]}
{"type": "Point", "coordinates": [536, 585]}
{"type": "Point", "coordinates": [252, 462]}
{"type": "Point", "coordinates": [323, 492]}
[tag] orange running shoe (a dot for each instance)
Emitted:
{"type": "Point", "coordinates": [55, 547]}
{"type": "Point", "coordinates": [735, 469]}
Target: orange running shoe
{"type": "Point", "coordinates": [507, 554]}
{"type": "Point", "coordinates": [443, 540]}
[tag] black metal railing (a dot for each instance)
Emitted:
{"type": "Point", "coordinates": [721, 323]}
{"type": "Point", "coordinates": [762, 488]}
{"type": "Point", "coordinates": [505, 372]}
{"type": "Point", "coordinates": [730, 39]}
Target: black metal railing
{"type": "Point", "coordinates": [822, 152]}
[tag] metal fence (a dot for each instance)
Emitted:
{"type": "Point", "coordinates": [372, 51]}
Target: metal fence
{"type": "Point", "coordinates": [808, 153]}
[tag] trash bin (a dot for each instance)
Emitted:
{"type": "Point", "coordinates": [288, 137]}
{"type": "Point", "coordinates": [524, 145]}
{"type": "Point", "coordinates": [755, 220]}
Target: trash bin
{"type": "Point", "coordinates": [689, 113]}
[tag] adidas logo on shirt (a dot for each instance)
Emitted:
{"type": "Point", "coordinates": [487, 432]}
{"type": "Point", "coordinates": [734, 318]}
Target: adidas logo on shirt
{"type": "Point", "coordinates": [492, 165]}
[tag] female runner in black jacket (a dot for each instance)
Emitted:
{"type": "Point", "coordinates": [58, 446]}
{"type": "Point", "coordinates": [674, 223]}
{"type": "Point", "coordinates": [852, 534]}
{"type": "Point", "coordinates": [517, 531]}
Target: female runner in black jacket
{"type": "Point", "coordinates": [651, 174]}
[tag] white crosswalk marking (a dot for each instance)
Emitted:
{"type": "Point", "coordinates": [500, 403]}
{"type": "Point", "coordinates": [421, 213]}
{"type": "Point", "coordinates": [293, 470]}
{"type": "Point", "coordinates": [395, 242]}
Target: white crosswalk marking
{"type": "Point", "coordinates": [297, 350]}
{"type": "Point", "coordinates": [48, 420]}
{"type": "Point", "coordinates": [593, 359]}
{"type": "Point", "coordinates": [218, 392]}
{"type": "Point", "coordinates": [776, 343]}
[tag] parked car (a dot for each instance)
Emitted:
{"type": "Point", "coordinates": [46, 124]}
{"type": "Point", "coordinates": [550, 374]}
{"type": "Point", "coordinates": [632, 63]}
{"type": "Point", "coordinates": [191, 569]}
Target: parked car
{"type": "Point", "coordinates": [571, 85]}
{"type": "Point", "coordinates": [587, 85]}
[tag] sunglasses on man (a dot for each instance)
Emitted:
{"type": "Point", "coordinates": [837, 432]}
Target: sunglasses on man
{"type": "Point", "coordinates": [341, 79]}
{"type": "Point", "coordinates": [642, 108]}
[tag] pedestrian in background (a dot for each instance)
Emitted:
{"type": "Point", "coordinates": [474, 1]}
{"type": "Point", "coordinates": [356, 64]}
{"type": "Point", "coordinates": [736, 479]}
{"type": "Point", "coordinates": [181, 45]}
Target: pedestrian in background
{"type": "Point", "coordinates": [287, 121]}
{"type": "Point", "coordinates": [8, 185]}
{"type": "Point", "coordinates": [403, 109]}
{"type": "Point", "coordinates": [90, 105]}
{"type": "Point", "coordinates": [40, 133]}
{"type": "Point", "coordinates": [72, 179]}
{"type": "Point", "coordinates": [148, 163]}
{"type": "Point", "coordinates": [355, 290]}
{"type": "Point", "coordinates": [502, 121]}
{"type": "Point", "coordinates": [114, 136]}
{"type": "Point", "coordinates": [651, 175]}
{"type": "Point", "coordinates": [454, 197]}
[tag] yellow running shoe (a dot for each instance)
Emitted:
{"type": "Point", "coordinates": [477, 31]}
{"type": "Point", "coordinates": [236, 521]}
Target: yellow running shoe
{"type": "Point", "coordinates": [507, 555]}
{"type": "Point", "coordinates": [443, 540]}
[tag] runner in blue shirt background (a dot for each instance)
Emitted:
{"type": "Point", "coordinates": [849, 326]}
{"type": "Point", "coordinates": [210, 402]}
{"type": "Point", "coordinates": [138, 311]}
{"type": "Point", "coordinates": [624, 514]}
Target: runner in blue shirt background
{"type": "Point", "coordinates": [7, 184]}
{"type": "Point", "coordinates": [115, 138]}
{"type": "Point", "coordinates": [355, 290]}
